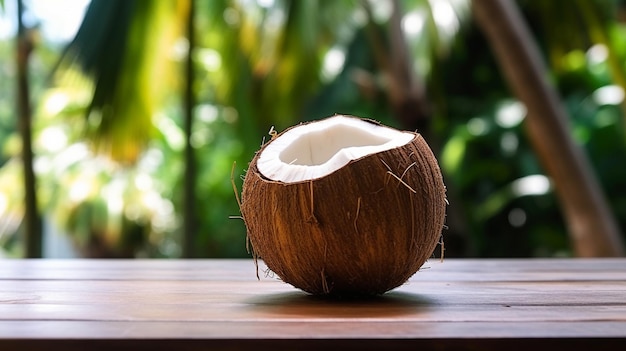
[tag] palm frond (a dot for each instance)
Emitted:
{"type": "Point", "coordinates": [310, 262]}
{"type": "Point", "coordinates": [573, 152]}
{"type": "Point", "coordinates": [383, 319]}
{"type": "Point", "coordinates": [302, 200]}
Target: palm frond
{"type": "Point", "coordinates": [125, 48]}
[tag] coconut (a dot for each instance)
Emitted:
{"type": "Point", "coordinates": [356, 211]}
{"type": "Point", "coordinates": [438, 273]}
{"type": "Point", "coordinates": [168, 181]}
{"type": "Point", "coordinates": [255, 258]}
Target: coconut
{"type": "Point", "coordinates": [344, 206]}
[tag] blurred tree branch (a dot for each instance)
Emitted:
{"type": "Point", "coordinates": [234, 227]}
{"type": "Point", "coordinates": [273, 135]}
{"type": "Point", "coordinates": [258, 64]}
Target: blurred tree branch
{"type": "Point", "coordinates": [32, 221]}
{"type": "Point", "coordinates": [592, 228]}
{"type": "Point", "coordinates": [189, 203]}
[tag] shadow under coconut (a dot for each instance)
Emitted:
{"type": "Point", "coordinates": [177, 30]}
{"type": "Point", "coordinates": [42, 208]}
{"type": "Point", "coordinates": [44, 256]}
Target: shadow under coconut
{"type": "Point", "coordinates": [298, 303]}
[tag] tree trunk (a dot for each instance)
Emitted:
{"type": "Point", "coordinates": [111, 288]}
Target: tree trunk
{"type": "Point", "coordinates": [32, 221]}
{"type": "Point", "coordinates": [190, 226]}
{"type": "Point", "coordinates": [592, 228]}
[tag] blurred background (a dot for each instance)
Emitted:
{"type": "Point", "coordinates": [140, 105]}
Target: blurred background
{"type": "Point", "coordinates": [125, 123]}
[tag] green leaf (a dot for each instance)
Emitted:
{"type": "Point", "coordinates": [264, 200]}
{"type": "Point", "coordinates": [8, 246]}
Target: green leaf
{"type": "Point", "coordinates": [125, 46]}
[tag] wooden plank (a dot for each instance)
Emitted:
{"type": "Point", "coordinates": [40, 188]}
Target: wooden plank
{"type": "Point", "coordinates": [158, 269]}
{"type": "Point", "coordinates": [314, 330]}
{"type": "Point", "coordinates": [196, 304]}
{"type": "Point", "coordinates": [305, 344]}
{"type": "Point", "coordinates": [244, 269]}
{"type": "Point", "coordinates": [98, 299]}
{"type": "Point", "coordinates": [332, 336]}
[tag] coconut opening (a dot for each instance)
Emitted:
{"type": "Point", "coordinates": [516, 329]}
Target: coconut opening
{"type": "Point", "coordinates": [313, 150]}
{"type": "Point", "coordinates": [319, 147]}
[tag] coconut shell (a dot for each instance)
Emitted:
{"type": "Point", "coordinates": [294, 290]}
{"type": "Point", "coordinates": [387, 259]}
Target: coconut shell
{"type": "Point", "coordinates": [362, 230]}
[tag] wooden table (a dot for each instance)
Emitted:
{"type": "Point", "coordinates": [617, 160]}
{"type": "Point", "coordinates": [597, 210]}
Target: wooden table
{"type": "Point", "coordinates": [219, 304]}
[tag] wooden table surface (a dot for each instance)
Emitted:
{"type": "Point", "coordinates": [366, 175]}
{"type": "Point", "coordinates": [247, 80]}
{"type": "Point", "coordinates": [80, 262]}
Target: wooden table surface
{"type": "Point", "coordinates": [219, 304]}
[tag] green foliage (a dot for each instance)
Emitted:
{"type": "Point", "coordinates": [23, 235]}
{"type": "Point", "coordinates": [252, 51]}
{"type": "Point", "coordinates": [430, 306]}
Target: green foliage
{"type": "Point", "coordinates": [265, 64]}
{"type": "Point", "coordinates": [122, 45]}
{"type": "Point", "coordinates": [487, 159]}
{"type": "Point", "coordinates": [7, 105]}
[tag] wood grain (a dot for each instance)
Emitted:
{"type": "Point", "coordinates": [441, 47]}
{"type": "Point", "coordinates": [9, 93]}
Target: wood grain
{"type": "Point", "coordinates": [219, 304]}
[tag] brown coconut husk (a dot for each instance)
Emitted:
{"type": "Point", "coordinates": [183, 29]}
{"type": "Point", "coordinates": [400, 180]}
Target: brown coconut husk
{"type": "Point", "coordinates": [363, 230]}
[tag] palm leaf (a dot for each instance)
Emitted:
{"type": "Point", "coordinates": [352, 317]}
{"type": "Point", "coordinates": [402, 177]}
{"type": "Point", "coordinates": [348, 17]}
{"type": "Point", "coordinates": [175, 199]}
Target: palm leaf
{"type": "Point", "coordinates": [124, 47]}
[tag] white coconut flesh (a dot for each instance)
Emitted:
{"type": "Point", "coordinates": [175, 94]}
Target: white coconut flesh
{"type": "Point", "coordinates": [317, 149]}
